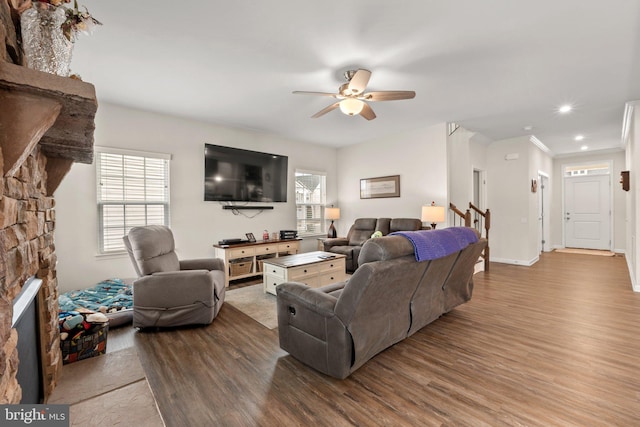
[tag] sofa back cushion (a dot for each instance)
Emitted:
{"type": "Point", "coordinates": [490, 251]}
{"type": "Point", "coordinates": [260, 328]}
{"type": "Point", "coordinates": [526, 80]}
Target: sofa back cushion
{"type": "Point", "coordinates": [361, 230]}
{"type": "Point", "coordinates": [382, 225]}
{"type": "Point", "coordinates": [385, 248]}
{"type": "Point", "coordinates": [405, 224]}
{"type": "Point", "coordinates": [153, 249]}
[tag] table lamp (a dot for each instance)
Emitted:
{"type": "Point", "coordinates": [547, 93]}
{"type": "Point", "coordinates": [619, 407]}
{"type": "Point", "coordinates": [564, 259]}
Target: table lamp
{"type": "Point", "coordinates": [332, 214]}
{"type": "Point", "coordinates": [433, 214]}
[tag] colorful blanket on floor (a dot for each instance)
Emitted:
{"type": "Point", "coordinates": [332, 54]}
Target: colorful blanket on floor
{"type": "Point", "coordinates": [432, 244]}
{"type": "Point", "coordinates": [113, 294]}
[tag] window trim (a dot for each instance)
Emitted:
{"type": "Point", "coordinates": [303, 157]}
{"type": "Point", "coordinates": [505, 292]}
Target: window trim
{"type": "Point", "coordinates": [100, 204]}
{"type": "Point", "coordinates": [322, 205]}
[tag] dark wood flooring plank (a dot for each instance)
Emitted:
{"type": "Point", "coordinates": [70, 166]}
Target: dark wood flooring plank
{"type": "Point", "coordinates": [554, 344]}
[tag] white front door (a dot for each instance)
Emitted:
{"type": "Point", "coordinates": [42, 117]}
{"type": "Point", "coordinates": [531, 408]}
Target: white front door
{"type": "Point", "coordinates": [587, 212]}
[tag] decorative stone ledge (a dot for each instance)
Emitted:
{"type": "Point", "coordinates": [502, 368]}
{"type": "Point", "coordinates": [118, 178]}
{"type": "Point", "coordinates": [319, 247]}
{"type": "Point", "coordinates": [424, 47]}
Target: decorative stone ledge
{"type": "Point", "coordinates": [58, 113]}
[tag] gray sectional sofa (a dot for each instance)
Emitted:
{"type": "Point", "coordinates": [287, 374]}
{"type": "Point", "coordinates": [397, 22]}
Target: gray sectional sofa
{"type": "Point", "coordinates": [337, 328]}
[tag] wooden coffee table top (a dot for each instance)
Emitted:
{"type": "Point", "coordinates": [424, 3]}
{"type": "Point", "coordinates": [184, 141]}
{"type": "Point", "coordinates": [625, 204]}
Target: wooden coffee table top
{"type": "Point", "coordinates": [306, 258]}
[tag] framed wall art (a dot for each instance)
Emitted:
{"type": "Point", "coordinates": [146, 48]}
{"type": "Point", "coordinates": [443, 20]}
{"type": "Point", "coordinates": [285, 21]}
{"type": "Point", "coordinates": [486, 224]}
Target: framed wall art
{"type": "Point", "coordinates": [384, 186]}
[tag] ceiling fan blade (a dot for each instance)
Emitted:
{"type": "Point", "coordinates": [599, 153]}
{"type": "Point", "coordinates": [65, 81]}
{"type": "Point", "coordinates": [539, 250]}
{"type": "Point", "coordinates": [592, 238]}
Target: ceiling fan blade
{"type": "Point", "coordinates": [326, 110]}
{"type": "Point", "coordinates": [389, 95]}
{"type": "Point", "coordinates": [367, 112]}
{"type": "Point", "coordinates": [358, 82]}
{"type": "Point", "coordinates": [302, 92]}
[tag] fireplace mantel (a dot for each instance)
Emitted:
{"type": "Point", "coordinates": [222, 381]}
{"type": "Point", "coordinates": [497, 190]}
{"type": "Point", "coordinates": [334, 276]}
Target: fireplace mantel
{"type": "Point", "coordinates": [58, 113]}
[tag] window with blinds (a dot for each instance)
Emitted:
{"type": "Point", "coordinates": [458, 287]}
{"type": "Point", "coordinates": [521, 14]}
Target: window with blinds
{"type": "Point", "coordinates": [133, 190]}
{"type": "Point", "coordinates": [310, 202]}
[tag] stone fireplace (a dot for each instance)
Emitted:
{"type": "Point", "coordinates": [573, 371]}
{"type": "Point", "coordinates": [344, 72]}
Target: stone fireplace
{"type": "Point", "coordinates": [46, 124]}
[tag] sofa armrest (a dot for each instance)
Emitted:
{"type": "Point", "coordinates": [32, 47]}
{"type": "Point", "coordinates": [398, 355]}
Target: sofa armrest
{"type": "Point", "coordinates": [309, 330]}
{"type": "Point", "coordinates": [174, 289]}
{"type": "Point", "coordinates": [309, 298]}
{"type": "Point", "coordinates": [335, 241]}
{"type": "Point", "coordinates": [202, 264]}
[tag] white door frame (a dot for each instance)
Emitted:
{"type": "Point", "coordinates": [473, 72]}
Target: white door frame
{"type": "Point", "coordinates": [544, 218]}
{"type": "Point", "coordinates": [482, 202]}
{"type": "Point", "coordinates": [611, 190]}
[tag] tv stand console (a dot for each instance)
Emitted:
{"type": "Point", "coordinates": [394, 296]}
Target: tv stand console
{"type": "Point", "coordinates": [245, 260]}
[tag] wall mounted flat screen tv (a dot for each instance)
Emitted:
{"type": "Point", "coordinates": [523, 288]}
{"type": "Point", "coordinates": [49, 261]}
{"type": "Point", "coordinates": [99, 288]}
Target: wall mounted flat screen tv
{"type": "Point", "coordinates": [236, 175]}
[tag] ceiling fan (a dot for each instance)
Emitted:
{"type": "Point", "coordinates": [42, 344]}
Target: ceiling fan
{"type": "Point", "coordinates": [353, 96]}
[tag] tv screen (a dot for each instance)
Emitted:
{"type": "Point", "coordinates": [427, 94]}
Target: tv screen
{"type": "Point", "coordinates": [236, 175]}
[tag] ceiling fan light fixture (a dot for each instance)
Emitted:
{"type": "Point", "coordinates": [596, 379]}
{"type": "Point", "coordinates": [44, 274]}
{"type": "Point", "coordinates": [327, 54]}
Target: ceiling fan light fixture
{"type": "Point", "coordinates": [351, 106]}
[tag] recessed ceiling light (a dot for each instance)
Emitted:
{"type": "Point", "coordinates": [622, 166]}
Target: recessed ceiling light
{"type": "Point", "coordinates": [584, 147]}
{"type": "Point", "coordinates": [528, 128]}
{"type": "Point", "coordinates": [579, 137]}
{"type": "Point", "coordinates": [564, 109]}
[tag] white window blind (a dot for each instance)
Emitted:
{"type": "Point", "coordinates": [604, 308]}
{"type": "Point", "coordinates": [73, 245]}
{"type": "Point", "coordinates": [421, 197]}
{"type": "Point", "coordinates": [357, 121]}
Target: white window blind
{"type": "Point", "coordinates": [133, 190]}
{"type": "Point", "coordinates": [310, 202]}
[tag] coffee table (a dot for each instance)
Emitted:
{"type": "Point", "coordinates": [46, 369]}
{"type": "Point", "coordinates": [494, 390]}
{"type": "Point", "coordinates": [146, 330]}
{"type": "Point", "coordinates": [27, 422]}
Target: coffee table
{"type": "Point", "coordinates": [315, 269]}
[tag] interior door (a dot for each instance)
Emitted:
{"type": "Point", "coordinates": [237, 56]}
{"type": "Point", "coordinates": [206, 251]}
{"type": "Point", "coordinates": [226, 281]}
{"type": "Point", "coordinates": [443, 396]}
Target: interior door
{"type": "Point", "coordinates": [587, 212]}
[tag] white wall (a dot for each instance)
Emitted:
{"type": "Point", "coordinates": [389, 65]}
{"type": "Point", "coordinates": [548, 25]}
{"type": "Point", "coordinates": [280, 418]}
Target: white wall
{"type": "Point", "coordinates": [418, 156]}
{"type": "Point", "coordinates": [196, 224]}
{"type": "Point", "coordinates": [460, 184]}
{"type": "Point", "coordinates": [514, 208]}
{"type": "Point", "coordinates": [466, 151]}
{"type": "Point", "coordinates": [539, 161]}
{"type": "Point", "coordinates": [618, 218]}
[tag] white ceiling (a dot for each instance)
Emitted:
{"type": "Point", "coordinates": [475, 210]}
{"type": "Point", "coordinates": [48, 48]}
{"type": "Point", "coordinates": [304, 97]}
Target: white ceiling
{"type": "Point", "coordinates": [493, 66]}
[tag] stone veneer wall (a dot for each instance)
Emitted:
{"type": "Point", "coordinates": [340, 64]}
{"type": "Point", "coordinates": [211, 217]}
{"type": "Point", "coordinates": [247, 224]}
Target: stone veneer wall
{"type": "Point", "coordinates": [27, 220]}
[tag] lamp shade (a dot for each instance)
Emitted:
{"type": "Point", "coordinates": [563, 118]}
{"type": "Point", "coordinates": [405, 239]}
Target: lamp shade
{"type": "Point", "coordinates": [332, 213]}
{"type": "Point", "coordinates": [351, 106]}
{"type": "Point", "coordinates": [433, 214]}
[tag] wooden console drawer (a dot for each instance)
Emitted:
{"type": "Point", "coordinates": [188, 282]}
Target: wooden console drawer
{"type": "Point", "coordinates": [241, 252]}
{"type": "Point", "coordinates": [331, 277]}
{"type": "Point", "coordinates": [337, 264]}
{"type": "Point", "coordinates": [267, 249]}
{"type": "Point", "coordinates": [306, 270]}
{"type": "Point", "coordinates": [270, 283]}
{"type": "Point", "coordinates": [288, 247]}
{"type": "Point", "coordinates": [275, 271]}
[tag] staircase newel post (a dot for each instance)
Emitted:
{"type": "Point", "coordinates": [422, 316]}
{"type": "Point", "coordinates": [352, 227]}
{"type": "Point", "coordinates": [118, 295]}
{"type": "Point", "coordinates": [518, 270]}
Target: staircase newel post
{"type": "Point", "coordinates": [467, 218]}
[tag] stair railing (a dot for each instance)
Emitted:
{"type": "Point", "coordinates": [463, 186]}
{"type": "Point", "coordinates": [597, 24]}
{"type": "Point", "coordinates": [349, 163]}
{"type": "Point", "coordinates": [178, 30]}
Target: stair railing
{"type": "Point", "coordinates": [479, 220]}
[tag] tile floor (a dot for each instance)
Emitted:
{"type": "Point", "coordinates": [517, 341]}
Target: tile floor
{"type": "Point", "coordinates": [108, 390]}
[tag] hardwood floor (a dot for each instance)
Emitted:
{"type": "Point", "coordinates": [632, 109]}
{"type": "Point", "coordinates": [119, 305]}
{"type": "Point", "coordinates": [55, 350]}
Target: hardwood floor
{"type": "Point", "coordinates": [555, 344]}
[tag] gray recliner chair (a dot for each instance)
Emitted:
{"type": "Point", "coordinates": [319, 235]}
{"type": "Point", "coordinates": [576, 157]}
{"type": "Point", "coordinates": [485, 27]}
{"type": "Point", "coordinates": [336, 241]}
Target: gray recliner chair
{"type": "Point", "coordinates": [361, 231]}
{"type": "Point", "coordinates": [170, 292]}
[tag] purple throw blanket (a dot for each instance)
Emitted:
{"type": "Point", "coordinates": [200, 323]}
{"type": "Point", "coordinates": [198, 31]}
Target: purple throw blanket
{"type": "Point", "coordinates": [432, 244]}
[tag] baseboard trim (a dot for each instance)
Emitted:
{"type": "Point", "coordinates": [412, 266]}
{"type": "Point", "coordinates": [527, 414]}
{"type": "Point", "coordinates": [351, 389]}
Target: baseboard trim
{"type": "Point", "coordinates": [516, 261]}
